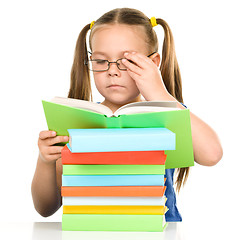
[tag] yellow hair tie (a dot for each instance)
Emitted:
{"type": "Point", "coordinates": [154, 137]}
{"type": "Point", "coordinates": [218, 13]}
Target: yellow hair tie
{"type": "Point", "coordinates": [91, 24]}
{"type": "Point", "coordinates": [153, 21]}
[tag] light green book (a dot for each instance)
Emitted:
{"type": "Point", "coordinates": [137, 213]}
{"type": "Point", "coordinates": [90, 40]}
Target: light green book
{"type": "Point", "coordinates": [113, 222]}
{"type": "Point", "coordinates": [64, 113]}
{"type": "Point", "coordinates": [112, 169]}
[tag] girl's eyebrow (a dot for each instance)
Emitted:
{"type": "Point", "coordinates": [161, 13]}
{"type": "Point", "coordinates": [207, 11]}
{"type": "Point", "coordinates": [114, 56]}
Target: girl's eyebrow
{"type": "Point", "coordinates": [106, 55]}
{"type": "Point", "coordinates": [100, 53]}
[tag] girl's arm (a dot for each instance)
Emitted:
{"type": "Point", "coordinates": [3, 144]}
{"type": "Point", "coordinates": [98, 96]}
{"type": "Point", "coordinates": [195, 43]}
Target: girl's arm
{"type": "Point", "coordinates": [46, 184]}
{"type": "Point", "coordinates": [45, 191]}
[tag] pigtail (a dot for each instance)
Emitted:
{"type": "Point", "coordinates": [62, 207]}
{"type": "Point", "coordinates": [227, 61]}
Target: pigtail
{"type": "Point", "coordinates": [170, 72]}
{"type": "Point", "coordinates": [169, 66]}
{"type": "Point", "coordinates": [80, 85]}
{"type": "Point", "coordinates": [182, 176]}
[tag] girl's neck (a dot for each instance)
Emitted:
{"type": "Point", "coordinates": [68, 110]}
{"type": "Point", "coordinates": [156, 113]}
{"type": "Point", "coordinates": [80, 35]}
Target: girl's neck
{"type": "Point", "coordinates": [114, 106]}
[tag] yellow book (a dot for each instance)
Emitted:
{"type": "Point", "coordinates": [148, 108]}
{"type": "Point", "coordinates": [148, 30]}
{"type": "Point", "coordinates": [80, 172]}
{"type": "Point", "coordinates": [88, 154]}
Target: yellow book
{"type": "Point", "coordinates": [114, 209]}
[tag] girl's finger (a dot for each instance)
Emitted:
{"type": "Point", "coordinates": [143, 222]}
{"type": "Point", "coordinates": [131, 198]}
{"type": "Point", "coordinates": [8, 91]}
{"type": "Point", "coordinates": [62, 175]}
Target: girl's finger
{"type": "Point", "coordinates": [133, 75]}
{"type": "Point", "coordinates": [55, 150]}
{"type": "Point", "coordinates": [53, 157]}
{"type": "Point", "coordinates": [46, 134]}
{"type": "Point", "coordinates": [139, 61]}
{"type": "Point", "coordinates": [58, 139]}
{"type": "Point", "coordinates": [134, 68]}
{"type": "Point", "coordinates": [145, 58]}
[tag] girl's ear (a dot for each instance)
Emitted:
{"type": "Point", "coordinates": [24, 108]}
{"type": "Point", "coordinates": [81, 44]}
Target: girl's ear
{"type": "Point", "coordinates": [156, 58]}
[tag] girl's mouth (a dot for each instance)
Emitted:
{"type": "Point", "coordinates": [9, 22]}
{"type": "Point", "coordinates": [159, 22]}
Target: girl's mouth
{"type": "Point", "coordinates": [114, 86]}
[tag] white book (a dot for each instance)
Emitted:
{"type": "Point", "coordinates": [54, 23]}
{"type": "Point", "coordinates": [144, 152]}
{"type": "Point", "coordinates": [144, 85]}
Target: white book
{"type": "Point", "coordinates": [145, 201]}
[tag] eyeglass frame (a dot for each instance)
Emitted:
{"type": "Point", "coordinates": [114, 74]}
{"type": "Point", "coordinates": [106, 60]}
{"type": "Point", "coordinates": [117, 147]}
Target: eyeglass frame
{"type": "Point", "coordinates": [86, 63]}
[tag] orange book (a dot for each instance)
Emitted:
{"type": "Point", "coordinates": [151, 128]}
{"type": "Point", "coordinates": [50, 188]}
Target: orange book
{"type": "Point", "coordinates": [121, 158]}
{"type": "Point", "coordinates": [107, 209]}
{"type": "Point", "coordinates": [120, 191]}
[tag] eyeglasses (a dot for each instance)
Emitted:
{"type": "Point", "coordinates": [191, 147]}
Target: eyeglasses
{"type": "Point", "coordinates": [102, 65]}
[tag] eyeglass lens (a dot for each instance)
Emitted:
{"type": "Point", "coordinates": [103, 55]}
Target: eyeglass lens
{"type": "Point", "coordinates": [103, 65]}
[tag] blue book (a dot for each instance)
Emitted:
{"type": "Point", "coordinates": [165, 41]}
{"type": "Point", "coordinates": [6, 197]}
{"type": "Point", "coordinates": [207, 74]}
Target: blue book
{"type": "Point", "coordinates": [113, 180]}
{"type": "Point", "coordinates": [121, 139]}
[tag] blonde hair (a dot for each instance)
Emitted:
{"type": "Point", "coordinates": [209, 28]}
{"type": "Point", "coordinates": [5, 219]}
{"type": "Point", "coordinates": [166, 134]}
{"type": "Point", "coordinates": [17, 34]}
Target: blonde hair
{"type": "Point", "coordinates": [80, 85]}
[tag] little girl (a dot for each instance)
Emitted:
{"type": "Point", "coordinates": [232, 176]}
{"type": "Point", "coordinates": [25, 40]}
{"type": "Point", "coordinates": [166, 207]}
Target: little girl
{"type": "Point", "coordinates": [124, 60]}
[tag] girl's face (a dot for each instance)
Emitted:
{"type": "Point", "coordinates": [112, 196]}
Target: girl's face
{"type": "Point", "coordinates": [110, 42]}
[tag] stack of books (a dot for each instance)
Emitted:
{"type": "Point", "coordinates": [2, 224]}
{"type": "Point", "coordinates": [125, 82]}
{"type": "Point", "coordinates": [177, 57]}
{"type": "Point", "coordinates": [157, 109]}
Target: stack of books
{"type": "Point", "coordinates": [113, 179]}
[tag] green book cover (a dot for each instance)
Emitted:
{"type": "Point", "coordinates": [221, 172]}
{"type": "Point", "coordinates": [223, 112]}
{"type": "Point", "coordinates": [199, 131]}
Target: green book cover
{"type": "Point", "coordinates": [113, 222]}
{"type": "Point", "coordinates": [60, 117]}
{"type": "Point", "coordinates": [92, 169]}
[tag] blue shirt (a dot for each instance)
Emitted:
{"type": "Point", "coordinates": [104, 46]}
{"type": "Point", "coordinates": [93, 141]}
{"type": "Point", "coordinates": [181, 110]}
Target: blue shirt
{"type": "Point", "coordinates": [172, 215]}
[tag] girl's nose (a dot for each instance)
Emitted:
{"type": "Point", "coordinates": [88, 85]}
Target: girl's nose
{"type": "Point", "coordinates": [113, 70]}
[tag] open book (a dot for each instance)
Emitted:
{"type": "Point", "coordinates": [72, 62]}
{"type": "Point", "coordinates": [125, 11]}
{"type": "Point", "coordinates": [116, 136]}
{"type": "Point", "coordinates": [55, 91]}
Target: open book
{"type": "Point", "coordinates": [136, 107]}
{"type": "Point", "coordinates": [65, 113]}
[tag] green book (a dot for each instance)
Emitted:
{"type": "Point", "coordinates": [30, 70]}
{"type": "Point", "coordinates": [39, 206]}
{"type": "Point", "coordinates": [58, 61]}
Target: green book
{"type": "Point", "coordinates": [112, 169]}
{"type": "Point", "coordinates": [113, 222]}
{"type": "Point", "coordinates": [65, 113]}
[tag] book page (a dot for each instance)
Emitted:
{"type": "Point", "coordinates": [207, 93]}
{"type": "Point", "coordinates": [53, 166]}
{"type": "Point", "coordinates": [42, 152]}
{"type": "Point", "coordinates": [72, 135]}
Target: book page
{"type": "Point", "coordinates": [150, 103]}
{"type": "Point", "coordinates": [143, 109]}
{"type": "Point", "coordinates": [83, 104]}
{"type": "Point", "coordinates": [130, 108]}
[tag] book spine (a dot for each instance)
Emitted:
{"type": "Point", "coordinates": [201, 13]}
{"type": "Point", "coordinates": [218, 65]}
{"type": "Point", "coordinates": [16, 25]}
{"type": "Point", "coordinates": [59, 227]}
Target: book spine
{"type": "Point", "coordinates": [90, 169]}
{"type": "Point", "coordinates": [125, 139]}
{"type": "Point", "coordinates": [116, 191]}
{"type": "Point", "coordinates": [131, 201]}
{"type": "Point", "coordinates": [107, 209]}
{"type": "Point", "coordinates": [113, 122]}
{"type": "Point", "coordinates": [112, 222]}
{"type": "Point", "coordinates": [113, 180]}
{"type": "Point", "coordinates": [113, 158]}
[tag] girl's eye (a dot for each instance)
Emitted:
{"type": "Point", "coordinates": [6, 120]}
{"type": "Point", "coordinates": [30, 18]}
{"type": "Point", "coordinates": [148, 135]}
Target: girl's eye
{"type": "Point", "coordinates": [100, 61]}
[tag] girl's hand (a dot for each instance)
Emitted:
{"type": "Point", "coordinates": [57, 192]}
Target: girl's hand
{"type": "Point", "coordinates": [147, 76]}
{"type": "Point", "coordinates": [49, 153]}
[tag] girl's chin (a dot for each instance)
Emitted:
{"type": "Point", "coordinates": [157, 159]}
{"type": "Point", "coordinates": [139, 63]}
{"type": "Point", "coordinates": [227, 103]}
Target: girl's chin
{"type": "Point", "coordinates": [120, 101]}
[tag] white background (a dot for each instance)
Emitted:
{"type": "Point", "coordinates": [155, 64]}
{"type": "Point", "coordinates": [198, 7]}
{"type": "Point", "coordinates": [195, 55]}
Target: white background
{"type": "Point", "coordinates": [36, 52]}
